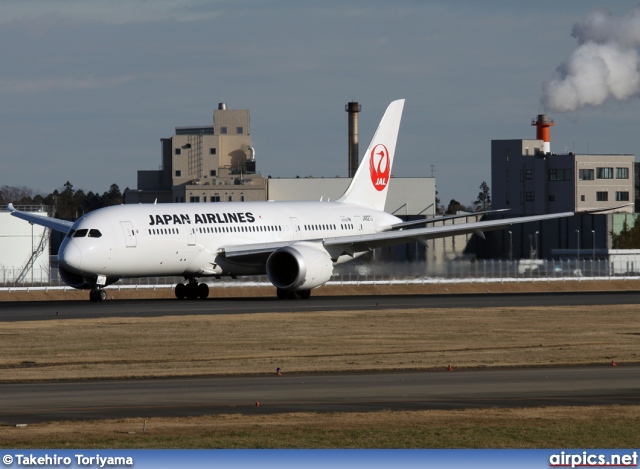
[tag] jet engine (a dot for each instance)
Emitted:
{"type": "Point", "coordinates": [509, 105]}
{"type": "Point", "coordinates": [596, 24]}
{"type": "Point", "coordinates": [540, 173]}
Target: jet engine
{"type": "Point", "coordinates": [299, 267]}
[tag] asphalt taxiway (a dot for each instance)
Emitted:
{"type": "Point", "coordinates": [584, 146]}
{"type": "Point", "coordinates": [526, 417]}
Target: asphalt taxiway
{"type": "Point", "coordinates": [194, 396]}
{"type": "Point", "coordinates": [60, 310]}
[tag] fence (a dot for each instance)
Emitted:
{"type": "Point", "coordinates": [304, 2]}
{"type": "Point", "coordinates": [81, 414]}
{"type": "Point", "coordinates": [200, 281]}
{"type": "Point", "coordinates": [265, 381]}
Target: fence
{"type": "Point", "coordinates": [408, 272]}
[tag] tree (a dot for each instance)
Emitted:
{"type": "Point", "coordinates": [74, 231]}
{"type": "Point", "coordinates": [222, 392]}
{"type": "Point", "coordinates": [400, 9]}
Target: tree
{"type": "Point", "coordinates": [628, 238]}
{"type": "Point", "coordinates": [113, 196]}
{"type": "Point", "coordinates": [454, 207]}
{"type": "Point", "coordinates": [483, 202]}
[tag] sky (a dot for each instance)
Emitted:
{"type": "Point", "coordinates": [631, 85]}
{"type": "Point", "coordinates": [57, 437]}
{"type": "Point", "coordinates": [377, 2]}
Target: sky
{"type": "Point", "coordinates": [88, 88]}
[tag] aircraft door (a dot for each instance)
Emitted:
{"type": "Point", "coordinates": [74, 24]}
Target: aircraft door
{"type": "Point", "coordinates": [296, 228]}
{"type": "Point", "coordinates": [129, 234]}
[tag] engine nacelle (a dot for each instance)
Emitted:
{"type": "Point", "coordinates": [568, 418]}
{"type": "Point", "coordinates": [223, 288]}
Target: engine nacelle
{"type": "Point", "coordinates": [299, 267]}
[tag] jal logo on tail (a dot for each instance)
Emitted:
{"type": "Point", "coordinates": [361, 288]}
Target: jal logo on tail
{"type": "Point", "coordinates": [379, 166]}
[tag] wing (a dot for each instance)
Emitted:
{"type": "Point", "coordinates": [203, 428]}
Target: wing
{"type": "Point", "coordinates": [350, 245]}
{"type": "Point", "coordinates": [32, 217]}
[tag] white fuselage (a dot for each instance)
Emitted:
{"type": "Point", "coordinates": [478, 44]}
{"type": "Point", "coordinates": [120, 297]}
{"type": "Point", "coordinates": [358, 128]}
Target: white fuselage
{"type": "Point", "coordinates": [189, 239]}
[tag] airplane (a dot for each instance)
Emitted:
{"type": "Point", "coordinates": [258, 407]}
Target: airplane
{"type": "Point", "coordinates": [295, 243]}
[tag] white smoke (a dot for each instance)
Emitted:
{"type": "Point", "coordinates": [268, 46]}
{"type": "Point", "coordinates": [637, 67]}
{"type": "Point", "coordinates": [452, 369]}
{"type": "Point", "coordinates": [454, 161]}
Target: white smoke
{"type": "Point", "coordinates": [605, 64]}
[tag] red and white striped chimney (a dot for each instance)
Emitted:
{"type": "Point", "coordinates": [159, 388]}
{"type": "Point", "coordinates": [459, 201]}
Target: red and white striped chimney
{"type": "Point", "coordinates": [542, 130]}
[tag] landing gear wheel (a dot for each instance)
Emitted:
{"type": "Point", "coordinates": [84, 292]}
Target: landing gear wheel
{"type": "Point", "coordinates": [192, 291]}
{"type": "Point", "coordinates": [304, 294]}
{"type": "Point", "coordinates": [203, 291]}
{"type": "Point", "coordinates": [97, 295]}
{"type": "Point", "coordinates": [181, 291]}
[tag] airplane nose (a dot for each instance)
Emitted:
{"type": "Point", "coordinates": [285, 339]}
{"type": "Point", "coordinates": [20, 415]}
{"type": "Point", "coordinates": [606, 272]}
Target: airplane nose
{"type": "Point", "coordinates": [70, 257]}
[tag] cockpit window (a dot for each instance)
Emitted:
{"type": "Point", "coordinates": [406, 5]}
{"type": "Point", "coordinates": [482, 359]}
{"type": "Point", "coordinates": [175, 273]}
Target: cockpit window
{"type": "Point", "coordinates": [94, 234]}
{"type": "Point", "coordinates": [80, 233]}
{"type": "Point", "coordinates": [70, 233]}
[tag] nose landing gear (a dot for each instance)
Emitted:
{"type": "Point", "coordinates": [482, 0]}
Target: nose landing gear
{"type": "Point", "coordinates": [97, 295]}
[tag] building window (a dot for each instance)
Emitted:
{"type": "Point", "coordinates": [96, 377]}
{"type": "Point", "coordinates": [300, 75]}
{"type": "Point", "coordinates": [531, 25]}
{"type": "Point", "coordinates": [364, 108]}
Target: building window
{"type": "Point", "coordinates": [194, 198]}
{"type": "Point", "coordinates": [242, 198]}
{"type": "Point", "coordinates": [230, 199]}
{"type": "Point", "coordinates": [604, 173]}
{"type": "Point", "coordinates": [622, 173]}
{"type": "Point", "coordinates": [239, 130]}
{"type": "Point", "coordinates": [223, 130]}
{"type": "Point", "coordinates": [585, 174]}
{"type": "Point", "coordinates": [528, 173]}
{"type": "Point", "coordinates": [507, 197]}
{"type": "Point", "coordinates": [212, 172]}
{"type": "Point", "coordinates": [178, 173]}
{"type": "Point", "coordinates": [582, 198]}
{"type": "Point", "coordinates": [215, 198]}
{"type": "Point", "coordinates": [212, 151]}
{"type": "Point", "coordinates": [204, 198]}
{"type": "Point", "coordinates": [507, 154]}
{"type": "Point", "coordinates": [622, 196]}
{"type": "Point", "coordinates": [560, 175]}
{"type": "Point", "coordinates": [602, 196]}
{"type": "Point", "coordinates": [178, 151]}
{"type": "Point", "coordinates": [530, 196]}
{"type": "Point", "coordinates": [552, 198]}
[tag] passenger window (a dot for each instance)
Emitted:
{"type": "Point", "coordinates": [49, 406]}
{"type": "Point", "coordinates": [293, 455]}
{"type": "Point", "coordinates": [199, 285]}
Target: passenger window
{"type": "Point", "coordinates": [94, 234]}
{"type": "Point", "coordinates": [80, 233]}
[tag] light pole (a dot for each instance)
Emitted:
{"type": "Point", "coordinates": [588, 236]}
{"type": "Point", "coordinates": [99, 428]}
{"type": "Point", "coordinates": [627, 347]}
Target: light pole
{"type": "Point", "coordinates": [537, 252]}
{"type": "Point", "coordinates": [578, 250]}
{"type": "Point", "coordinates": [510, 246]}
{"type": "Point", "coordinates": [593, 242]}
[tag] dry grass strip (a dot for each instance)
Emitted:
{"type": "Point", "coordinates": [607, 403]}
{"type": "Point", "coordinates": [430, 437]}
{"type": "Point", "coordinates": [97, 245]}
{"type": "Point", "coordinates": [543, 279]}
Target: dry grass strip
{"type": "Point", "coordinates": [318, 342]}
{"type": "Point", "coordinates": [552, 427]}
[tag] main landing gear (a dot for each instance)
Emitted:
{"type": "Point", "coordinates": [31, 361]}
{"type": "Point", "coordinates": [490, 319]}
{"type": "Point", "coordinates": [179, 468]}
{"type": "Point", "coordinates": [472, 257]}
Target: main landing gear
{"type": "Point", "coordinates": [292, 295]}
{"type": "Point", "coordinates": [97, 295]}
{"type": "Point", "coordinates": [192, 290]}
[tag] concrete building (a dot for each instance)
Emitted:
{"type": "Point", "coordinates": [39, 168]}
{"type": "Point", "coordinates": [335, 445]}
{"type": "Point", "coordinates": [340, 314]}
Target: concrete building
{"type": "Point", "coordinates": [528, 179]}
{"type": "Point", "coordinates": [208, 163]}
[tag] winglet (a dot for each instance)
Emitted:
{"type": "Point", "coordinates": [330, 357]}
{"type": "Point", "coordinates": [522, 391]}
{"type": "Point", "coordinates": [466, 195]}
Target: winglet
{"type": "Point", "coordinates": [40, 219]}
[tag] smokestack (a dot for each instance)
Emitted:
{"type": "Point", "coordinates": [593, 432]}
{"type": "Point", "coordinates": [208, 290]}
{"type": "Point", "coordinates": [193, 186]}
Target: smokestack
{"type": "Point", "coordinates": [542, 131]}
{"type": "Point", "coordinates": [353, 108]}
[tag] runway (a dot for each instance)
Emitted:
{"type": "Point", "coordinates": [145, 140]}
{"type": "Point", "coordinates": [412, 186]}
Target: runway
{"type": "Point", "coordinates": [193, 396]}
{"type": "Point", "coordinates": [60, 310]}
{"type": "Point", "coordinates": [147, 398]}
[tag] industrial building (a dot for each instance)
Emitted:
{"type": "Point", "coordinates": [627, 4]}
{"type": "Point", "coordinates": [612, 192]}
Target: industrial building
{"type": "Point", "coordinates": [25, 248]}
{"type": "Point", "coordinates": [207, 163]}
{"type": "Point", "coordinates": [528, 179]}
